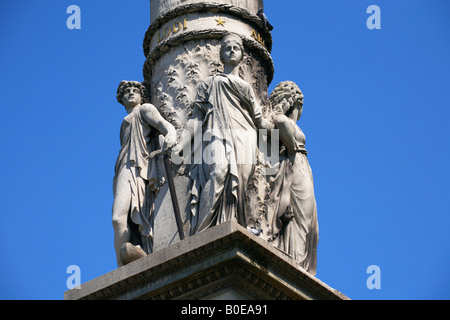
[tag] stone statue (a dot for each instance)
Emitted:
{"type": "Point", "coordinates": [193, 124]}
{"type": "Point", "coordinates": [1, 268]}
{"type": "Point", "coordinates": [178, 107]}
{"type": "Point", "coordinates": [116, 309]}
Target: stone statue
{"type": "Point", "coordinates": [221, 170]}
{"type": "Point", "coordinates": [137, 181]}
{"type": "Point", "coordinates": [226, 116]}
{"type": "Point", "coordinates": [292, 201]}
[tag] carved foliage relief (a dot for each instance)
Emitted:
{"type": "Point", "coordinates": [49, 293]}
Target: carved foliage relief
{"type": "Point", "coordinates": [176, 75]}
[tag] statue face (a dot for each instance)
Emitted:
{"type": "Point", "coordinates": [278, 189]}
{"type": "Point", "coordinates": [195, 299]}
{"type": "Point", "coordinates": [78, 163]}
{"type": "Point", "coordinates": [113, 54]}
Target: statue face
{"type": "Point", "coordinates": [131, 97]}
{"type": "Point", "coordinates": [297, 110]}
{"type": "Point", "coordinates": [231, 53]}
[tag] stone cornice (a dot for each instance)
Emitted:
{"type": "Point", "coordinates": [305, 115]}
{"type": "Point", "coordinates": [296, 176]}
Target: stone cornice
{"type": "Point", "coordinates": [203, 7]}
{"type": "Point", "coordinates": [223, 256]}
{"type": "Point", "coordinates": [177, 40]}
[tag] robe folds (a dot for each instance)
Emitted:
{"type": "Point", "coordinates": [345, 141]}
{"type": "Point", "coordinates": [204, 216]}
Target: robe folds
{"type": "Point", "coordinates": [293, 206]}
{"type": "Point", "coordinates": [228, 151]}
{"type": "Point", "coordinates": [136, 139]}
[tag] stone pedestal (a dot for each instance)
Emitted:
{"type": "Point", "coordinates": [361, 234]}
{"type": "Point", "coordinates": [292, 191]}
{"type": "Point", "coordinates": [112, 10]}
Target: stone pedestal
{"type": "Point", "coordinates": [225, 262]}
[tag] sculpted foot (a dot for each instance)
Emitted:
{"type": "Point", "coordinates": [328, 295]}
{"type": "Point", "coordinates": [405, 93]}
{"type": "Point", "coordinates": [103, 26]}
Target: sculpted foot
{"type": "Point", "coordinates": [130, 253]}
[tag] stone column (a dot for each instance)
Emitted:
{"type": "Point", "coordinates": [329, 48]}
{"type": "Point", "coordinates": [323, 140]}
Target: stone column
{"type": "Point", "coordinates": [182, 47]}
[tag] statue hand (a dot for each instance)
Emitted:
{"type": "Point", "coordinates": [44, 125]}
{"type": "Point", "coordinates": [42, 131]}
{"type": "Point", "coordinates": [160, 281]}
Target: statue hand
{"type": "Point", "coordinates": [169, 141]}
{"type": "Point", "coordinates": [176, 149]}
{"type": "Point", "coordinates": [175, 154]}
{"type": "Point", "coordinates": [281, 120]}
{"type": "Point", "coordinates": [263, 123]}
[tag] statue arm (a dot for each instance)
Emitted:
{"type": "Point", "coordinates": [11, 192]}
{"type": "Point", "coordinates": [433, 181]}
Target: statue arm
{"type": "Point", "coordinates": [263, 123]}
{"type": "Point", "coordinates": [287, 131]}
{"type": "Point", "coordinates": [192, 128]}
{"type": "Point", "coordinates": [153, 118]}
{"type": "Point", "coordinates": [258, 118]}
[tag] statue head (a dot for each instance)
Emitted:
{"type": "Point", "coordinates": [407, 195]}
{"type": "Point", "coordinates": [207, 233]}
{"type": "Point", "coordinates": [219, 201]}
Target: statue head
{"type": "Point", "coordinates": [286, 97]}
{"type": "Point", "coordinates": [232, 50]}
{"type": "Point", "coordinates": [131, 94]}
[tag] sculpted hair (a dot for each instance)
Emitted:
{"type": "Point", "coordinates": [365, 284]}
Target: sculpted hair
{"type": "Point", "coordinates": [126, 84]}
{"type": "Point", "coordinates": [284, 96]}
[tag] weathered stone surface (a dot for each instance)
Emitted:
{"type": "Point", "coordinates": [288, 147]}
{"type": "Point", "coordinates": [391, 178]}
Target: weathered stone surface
{"type": "Point", "coordinates": [166, 232]}
{"type": "Point", "coordinates": [137, 179]}
{"type": "Point", "coordinates": [160, 7]}
{"type": "Point", "coordinates": [219, 263]}
{"type": "Point", "coordinates": [208, 66]}
{"type": "Point", "coordinates": [130, 253]}
{"type": "Point", "coordinates": [182, 48]}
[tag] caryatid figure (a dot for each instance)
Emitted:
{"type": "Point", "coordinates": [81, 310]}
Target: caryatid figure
{"type": "Point", "coordinates": [136, 180]}
{"type": "Point", "coordinates": [292, 201]}
{"type": "Point", "coordinates": [229, 117]}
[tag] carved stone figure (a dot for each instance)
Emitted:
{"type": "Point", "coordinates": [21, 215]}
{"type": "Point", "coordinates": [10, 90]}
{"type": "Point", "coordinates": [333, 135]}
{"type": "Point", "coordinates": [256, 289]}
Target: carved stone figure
{"type": "Point", "coordinates": [136, 180]}
{"type": "Point", "coordinates": [228, 169]}
{"type": "Point", "coordinates": [229, 117]}
{"type": "Point", "coordinates": [292, 200]}
{"type": "Point", "coordinates": [182, 49]}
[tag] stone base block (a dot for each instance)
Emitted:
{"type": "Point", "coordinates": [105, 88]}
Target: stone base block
{"type": "Point", "coordinates": [226, 262]}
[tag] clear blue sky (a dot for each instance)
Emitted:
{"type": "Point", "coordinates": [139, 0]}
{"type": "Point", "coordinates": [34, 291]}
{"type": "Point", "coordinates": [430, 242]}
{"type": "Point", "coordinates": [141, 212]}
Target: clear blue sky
{"type": "Point", "coordinates": [376, 117]}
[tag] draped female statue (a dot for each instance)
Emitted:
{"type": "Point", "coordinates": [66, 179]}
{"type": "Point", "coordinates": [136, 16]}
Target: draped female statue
{"type": "Point", "coordinates": [292, 200]}
{"type": "Point", "coordinates": [226, 116]}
